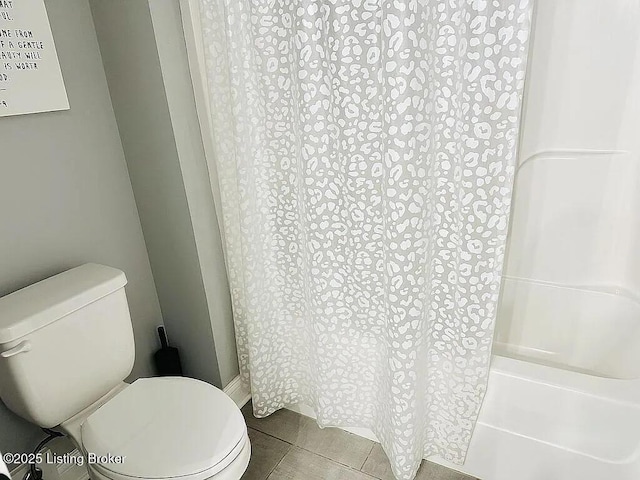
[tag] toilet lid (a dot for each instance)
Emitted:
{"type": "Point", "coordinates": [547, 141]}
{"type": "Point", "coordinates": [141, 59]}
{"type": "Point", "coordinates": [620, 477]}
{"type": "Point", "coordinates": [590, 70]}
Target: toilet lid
{"type": "Point", "coordinates": [164, 427]}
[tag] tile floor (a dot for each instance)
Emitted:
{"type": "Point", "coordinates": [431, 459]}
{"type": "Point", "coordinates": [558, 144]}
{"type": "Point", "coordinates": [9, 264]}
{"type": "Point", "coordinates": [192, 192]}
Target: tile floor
{"type": "Point", "coordinates": [289, 446]}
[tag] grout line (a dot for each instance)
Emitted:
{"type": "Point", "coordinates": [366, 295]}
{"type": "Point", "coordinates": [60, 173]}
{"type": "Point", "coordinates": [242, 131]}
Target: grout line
{"type": "Point", "coordinates": [279, 462]}
{"type": "Point", "coordinates": [367, 457]}
{"type": "Point", "coordinates": [270, 435]}
{"type": "Point", "coordinates": [331, 461]}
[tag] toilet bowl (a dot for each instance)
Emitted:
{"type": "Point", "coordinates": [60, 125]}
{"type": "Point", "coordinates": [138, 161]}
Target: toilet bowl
{"type": "Point", "coordinates": [66, 345]}
{"type": "Point", "coordinates": [160, 428]}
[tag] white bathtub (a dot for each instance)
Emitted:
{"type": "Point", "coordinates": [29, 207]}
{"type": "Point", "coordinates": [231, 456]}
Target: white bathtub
{"type": "Point", "coordinates": [544, 423]}
{"type": "Point", "coordinates": [568, 406]}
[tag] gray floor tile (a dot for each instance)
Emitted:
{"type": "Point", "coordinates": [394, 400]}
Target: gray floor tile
{"type": "Point", "coordinates": [377, 465]}
{"type": "Point", "coordinates": [433, 471]}
{"type": "Point", "coordinates": [283, 424]}
{"type": "Point", "coordinates": [333, 443]}
{"type": "Point", "coordinates": [300, 464]}
{"type": "Point", "coordinates": [266, 453]}
{"type": "Point", "coordinates": [320, 454]}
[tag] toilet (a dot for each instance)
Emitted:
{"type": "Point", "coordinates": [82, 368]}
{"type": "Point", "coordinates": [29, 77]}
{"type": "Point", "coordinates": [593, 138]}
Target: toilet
{"type": "Point", "coordinates": [66, 346]}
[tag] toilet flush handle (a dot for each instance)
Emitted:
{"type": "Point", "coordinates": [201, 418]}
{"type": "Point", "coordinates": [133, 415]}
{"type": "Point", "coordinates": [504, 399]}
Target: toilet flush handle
{"type": "Point", "coordinates": [24, 346]}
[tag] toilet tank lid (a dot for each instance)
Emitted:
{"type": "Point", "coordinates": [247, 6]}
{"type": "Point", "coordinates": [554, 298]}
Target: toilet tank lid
{"type": "Point", "coordinates": [45, 302]}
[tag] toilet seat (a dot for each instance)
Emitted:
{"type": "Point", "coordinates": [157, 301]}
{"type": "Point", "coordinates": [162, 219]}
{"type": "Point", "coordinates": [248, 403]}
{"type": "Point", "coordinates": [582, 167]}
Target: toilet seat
{"type": "Point", "coordinates": [165, 427]}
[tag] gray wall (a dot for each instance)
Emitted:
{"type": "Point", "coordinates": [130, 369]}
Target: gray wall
{"type": "Point", "coordinates": [200, 184]}
{"type": "Point", "coordinates": [65, 194]}
{"type": "Point", "coordinates": [153, 101]}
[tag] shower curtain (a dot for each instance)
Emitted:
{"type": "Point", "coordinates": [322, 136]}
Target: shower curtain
{"type": "Point", "coordinates": [364, 151]}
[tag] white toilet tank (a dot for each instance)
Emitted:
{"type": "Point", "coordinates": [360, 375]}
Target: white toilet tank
{"type": "Point", "coordinates": [64, 343]}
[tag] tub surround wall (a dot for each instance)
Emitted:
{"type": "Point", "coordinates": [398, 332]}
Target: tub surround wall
{"type": "Point", "coordinates": [572, 286]}
{"type": "Point", "coordinates": [66, 198]}
{"type": "Point", "coordinates": [576, 189]}
{"type": "Point", "coordinates": [584, 76]}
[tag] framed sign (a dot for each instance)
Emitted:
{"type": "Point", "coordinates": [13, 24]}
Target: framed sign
{"type": "Point", "coordinates": [30, 76]}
